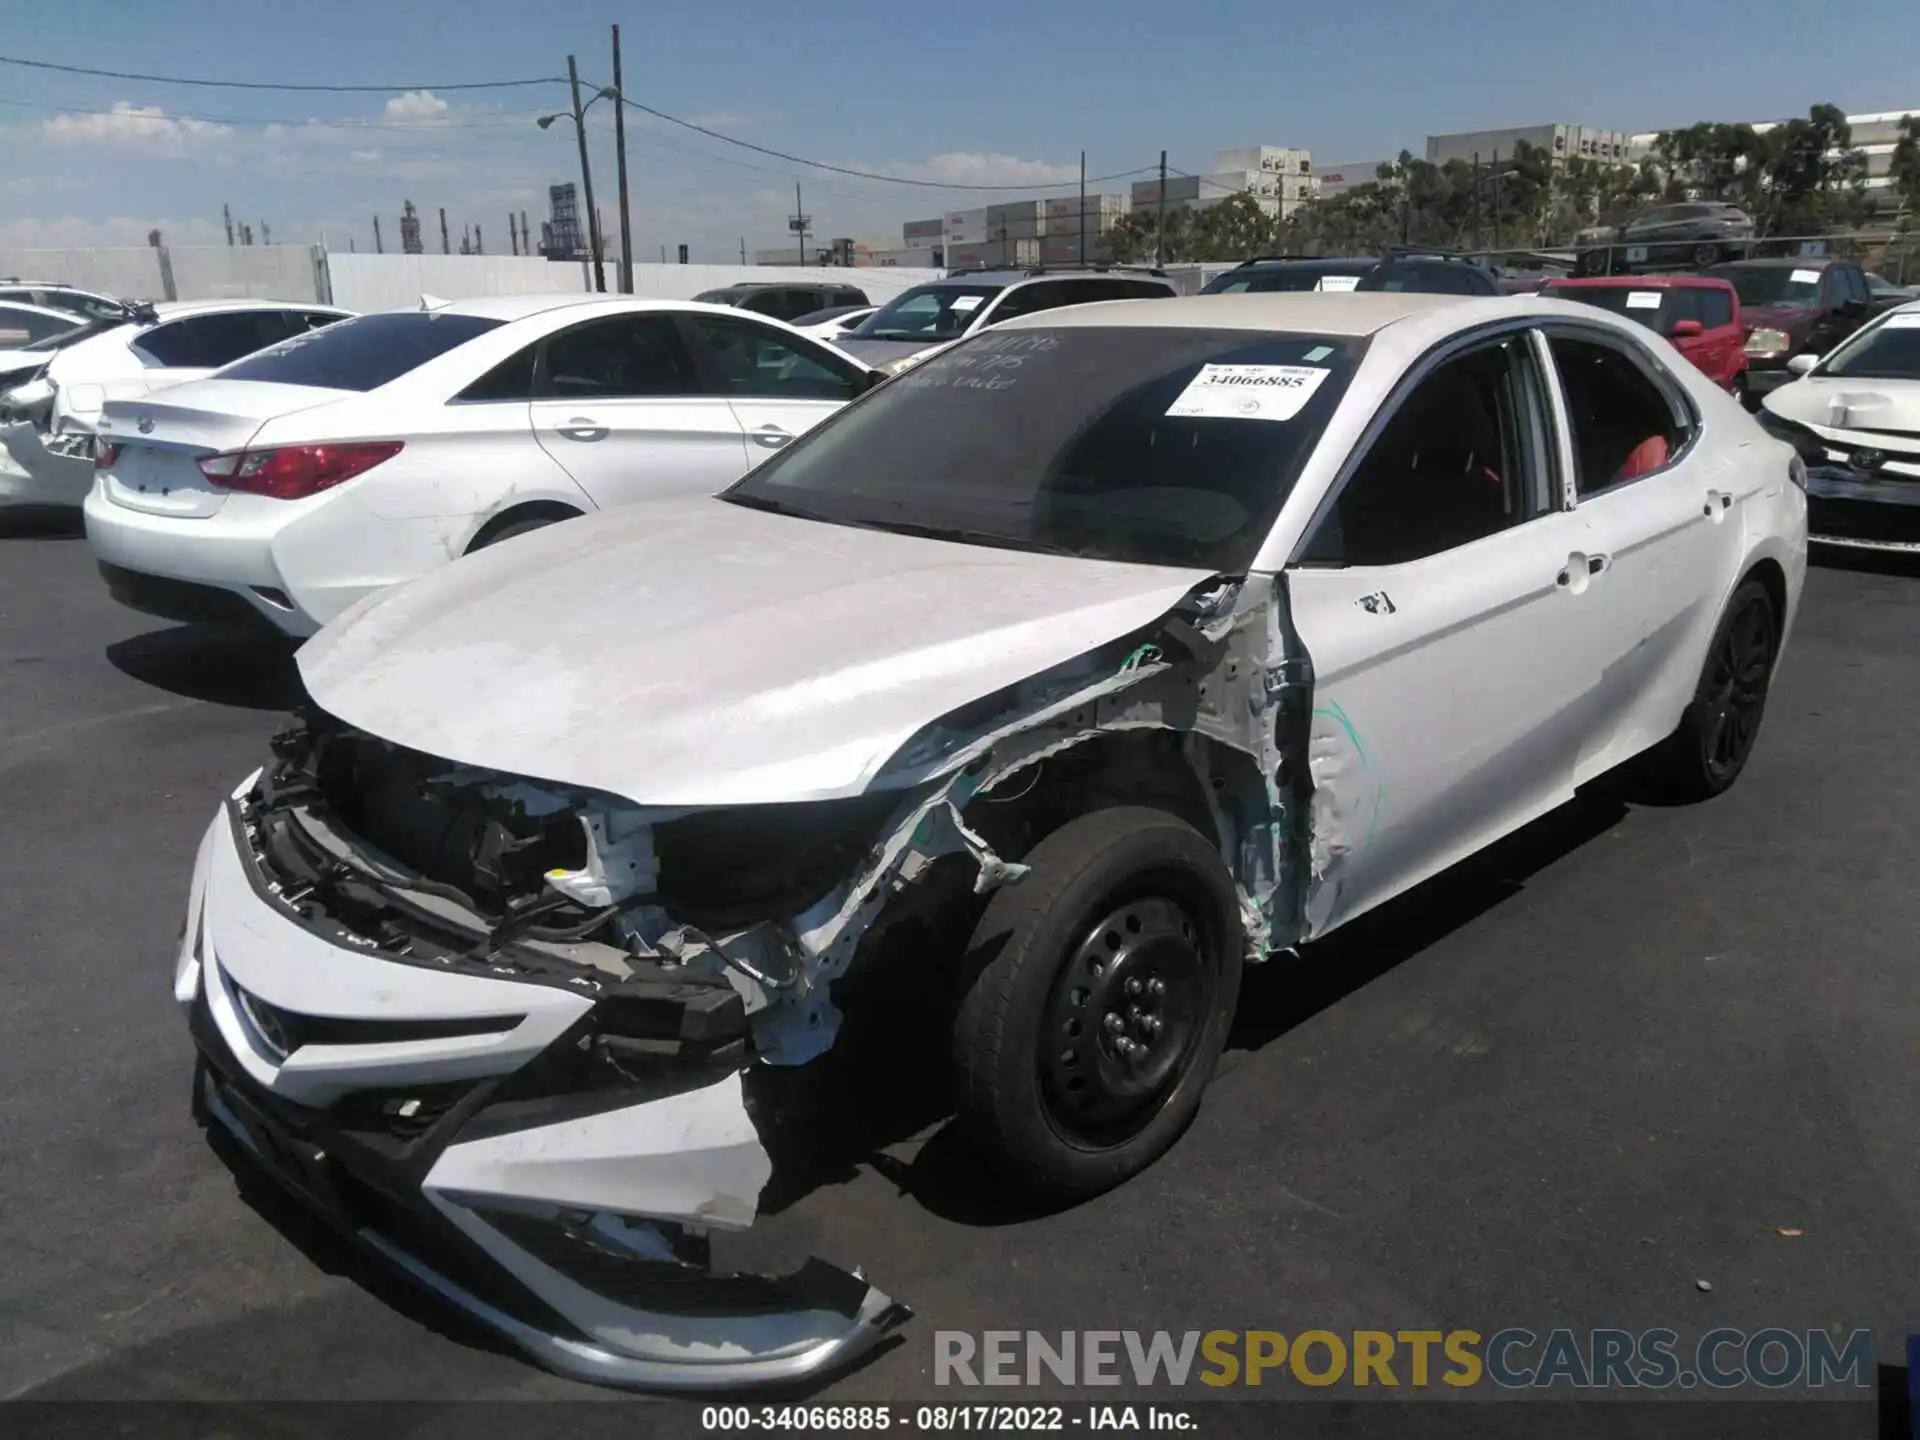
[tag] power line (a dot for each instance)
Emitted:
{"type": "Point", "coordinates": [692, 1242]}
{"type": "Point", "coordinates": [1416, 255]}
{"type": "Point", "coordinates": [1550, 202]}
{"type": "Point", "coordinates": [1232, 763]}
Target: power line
{"type": "Point", "coordinates": [276, 85]}
{"type": "Point", "coordinates": [861, 174]}
{"type": "Point", "coordinates": [424, 126]}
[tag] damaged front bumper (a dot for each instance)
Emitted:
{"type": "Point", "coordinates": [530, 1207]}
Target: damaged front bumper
{"type": "Point", "coordinates": [565, 1162]}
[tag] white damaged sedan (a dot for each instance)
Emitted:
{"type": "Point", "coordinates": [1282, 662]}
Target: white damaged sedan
{"type": "Point", "coordinates": [1126, 645]}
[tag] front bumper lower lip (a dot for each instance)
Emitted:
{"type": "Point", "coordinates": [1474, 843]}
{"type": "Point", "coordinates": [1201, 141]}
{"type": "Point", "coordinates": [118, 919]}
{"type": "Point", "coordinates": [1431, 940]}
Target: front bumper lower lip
{"type": "Point", "coordinates": [457, 1231]}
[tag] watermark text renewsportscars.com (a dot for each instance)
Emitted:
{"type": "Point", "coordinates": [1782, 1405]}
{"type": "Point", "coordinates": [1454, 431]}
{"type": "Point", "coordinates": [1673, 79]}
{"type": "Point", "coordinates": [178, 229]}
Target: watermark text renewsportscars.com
{"type": "Point", "coordinates": [1514, 1358]}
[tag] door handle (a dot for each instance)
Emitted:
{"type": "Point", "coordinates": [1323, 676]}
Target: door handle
{"type": "Point", "coordinates": [583, 429]}
{"type": "Point", "coordinates": [1580, 569]}
{"type": "Point", "coordinates": [770, 437]}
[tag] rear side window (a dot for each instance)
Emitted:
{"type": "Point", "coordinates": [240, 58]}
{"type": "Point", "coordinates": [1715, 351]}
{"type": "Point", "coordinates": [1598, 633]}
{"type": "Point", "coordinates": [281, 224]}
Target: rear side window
{"type": "Point", "coordinates": [363, 353]}
{"type": "Point", "coordinates": [511, 379]}
{"type": "Point", "coordinates": [1623, 426]}
{"type": "Point", "coordinates": [630, 357]}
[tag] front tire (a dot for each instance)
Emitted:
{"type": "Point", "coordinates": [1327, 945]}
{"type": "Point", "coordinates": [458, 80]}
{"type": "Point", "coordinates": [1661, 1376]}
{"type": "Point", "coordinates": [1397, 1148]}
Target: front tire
{"type": "Point", "coordinates": [1099, 992]}
{"type": "Point", "coordinates": [1705, 755]}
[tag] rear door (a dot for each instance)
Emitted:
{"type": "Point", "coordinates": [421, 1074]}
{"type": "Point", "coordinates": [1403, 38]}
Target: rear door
{"type": "Point", "coordinates": [779, 385]}
{"type": "Point", "coordinates": [1660, 527]}
{"type": "Point", "coordinates": [622, 406]}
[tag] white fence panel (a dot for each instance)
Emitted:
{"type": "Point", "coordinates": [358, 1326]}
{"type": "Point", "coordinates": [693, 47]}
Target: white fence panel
{"type": "Point", "coordinates": [396, 282]}
{"type": "Point", "coordinates": [244, 272]}
{"type": "Point", "coordinates": [132, 272]}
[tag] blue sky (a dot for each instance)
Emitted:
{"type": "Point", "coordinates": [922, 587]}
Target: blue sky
{"type": "Point", "coordinates": [978, 91]}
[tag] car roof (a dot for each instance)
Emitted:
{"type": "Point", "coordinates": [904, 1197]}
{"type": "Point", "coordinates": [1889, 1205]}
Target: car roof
{"type": "Point", "coordinates": [508, 308]}
{"type": "Point", "coordinates": [178, 309]}
{"type": "Point", "coordinates": [1777, 262]}
{"type": "Point", "coordinates": [1301, 311]}
{"type": "Point", "coordinates": [1644, 282]}
{"type": "Point", "coordinates": [1307, 262]}
{"type": "Point", "coordinates": [1017, 275]}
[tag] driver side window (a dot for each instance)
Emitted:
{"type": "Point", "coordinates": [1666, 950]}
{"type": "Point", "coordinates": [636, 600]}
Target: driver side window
{"type": "Point", "coordinates": [757, 360]}
{"type": "Point", "coordinates": [1461, 459]}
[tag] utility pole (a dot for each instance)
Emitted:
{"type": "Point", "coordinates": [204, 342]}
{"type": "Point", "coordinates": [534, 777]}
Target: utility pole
{"type": "Point", "coordinates": [446, 245]}
{"type": "Point", "coordinates": [743, 249]}
{"type": "Point", "coordinates": [1160, 223]}
{"type": "Point", "coordinates": [799, 223]}
{"type": "Point", "coordinates": [526, 235]}
{"type": "Point", "coordinates": [620, 165]}
{"type": "Point", "coordinates": [1476, 199]}
{"type": "Point", "coordinates": [266, 235]}
{"type": "Point", "coordinates": [1081, 223]}
{"type": "Point", "coordinates": [1496, 198]}
{"type": "Point", "coordinates": [226, 215]}
{"type": "Point", "coordinates": [586, 179]}
{"type": "Point", "coordinates": [513, 234]}
{"type": "Point", "coordinates": [378, 248]}
{"type": "Point", "coordinates": [479, 245]}
{"type": "Point", "coordinates": [663, 254]}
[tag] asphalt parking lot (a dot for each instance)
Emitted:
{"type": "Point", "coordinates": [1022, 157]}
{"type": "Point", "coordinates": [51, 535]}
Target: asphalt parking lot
{"type": "Point", "coordinates": [1561, 1086]}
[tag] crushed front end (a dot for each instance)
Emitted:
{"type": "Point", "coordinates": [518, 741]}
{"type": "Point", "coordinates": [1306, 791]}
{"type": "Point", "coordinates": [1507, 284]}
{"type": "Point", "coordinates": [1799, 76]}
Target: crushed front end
{"type": "Point", "coordinates": [449, 1051]}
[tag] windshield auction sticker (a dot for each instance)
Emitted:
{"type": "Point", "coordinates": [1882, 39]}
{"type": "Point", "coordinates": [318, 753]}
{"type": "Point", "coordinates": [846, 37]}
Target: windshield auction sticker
{"type": "Point", "coordinates": [1248, 392]}
{"type": "Point", "coordinates": [1643, 300]}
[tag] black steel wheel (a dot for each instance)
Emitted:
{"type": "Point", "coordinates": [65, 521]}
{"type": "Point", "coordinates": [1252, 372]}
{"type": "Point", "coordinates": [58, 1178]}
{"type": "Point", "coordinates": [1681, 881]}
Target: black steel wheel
{"type": "Point", "coordinates": [1125, 1015]}
{"type": "Point", "coordinates": [1096, 1000]}
{"type": "Point", "coordinates": [1706, 754]}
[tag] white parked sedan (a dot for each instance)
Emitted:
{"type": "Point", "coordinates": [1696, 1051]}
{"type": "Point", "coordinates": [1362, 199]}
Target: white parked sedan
{"type": "Point", "coordinates": [294, 483]}
{"type": "Point", "coordinates": [51, 419]}
{"type": "Point", "coordinates": [1138, 641]}
{"type": "Point", "coordinates": [1854, 416]}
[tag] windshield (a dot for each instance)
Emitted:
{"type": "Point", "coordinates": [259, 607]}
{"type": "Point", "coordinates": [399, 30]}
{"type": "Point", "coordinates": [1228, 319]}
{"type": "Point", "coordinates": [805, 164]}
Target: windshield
{"type": "Point", "coordinates": [1291, 278]}
{"type": "Point", "coordinates": [927, 312]}
{"type": "Point", "coordinates": [1150, 446]}
{"type": "Point", "coordinates": [363, 353]}
{"type": "Point", "coordinates": [1777, 285]}
{"type": "Point", "coordinates": [1887, 351]}
{"type": "Point", "coordinates": [1652, 308]}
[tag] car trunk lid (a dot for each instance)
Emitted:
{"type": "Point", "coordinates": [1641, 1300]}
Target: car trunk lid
{"type": "Point", "coordinates": [163, 438]}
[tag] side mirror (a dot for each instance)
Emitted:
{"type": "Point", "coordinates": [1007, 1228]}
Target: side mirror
{"type": "Point", "coordinates": [1802, 364]}
{"type": "Point", "coordinates": [1682, 329]}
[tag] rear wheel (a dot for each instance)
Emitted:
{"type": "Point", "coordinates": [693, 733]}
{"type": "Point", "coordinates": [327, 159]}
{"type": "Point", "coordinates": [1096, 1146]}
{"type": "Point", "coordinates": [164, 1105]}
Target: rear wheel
{"type": "Point", "coordinates": [1706, 754]}
{"type": "Point", "coordinates": [1099, 992]}
{"type": "Point", "coordinates": [1705, 254]}
{"type": "Point", "coordinates": [521, 526]}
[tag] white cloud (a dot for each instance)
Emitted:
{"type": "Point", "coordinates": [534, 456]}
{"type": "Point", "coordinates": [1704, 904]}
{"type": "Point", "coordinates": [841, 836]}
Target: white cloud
{"type": "Point", "coordinates": [961, 167]}
{"type": "Point", "coordinates": [417, 105]}
{"type": "Point", "coordinates": [68, 232]}
{"type": "Point", "coordinates": [145, 128]}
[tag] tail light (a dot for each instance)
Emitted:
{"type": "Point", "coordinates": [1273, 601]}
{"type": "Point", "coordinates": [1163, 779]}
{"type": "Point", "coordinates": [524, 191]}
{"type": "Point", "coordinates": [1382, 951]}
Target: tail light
{"type": "Point", "coordinates": [294, 472]}
{"type": "Point", "coordinates": [105, 452]}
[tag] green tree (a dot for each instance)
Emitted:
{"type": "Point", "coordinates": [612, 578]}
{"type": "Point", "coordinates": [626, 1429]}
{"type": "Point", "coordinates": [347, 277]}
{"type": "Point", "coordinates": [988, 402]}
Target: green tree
{"type": "Point", "coordinates": [1903, 168]}
{"type": "Point", "coordinates": [1233, 229]}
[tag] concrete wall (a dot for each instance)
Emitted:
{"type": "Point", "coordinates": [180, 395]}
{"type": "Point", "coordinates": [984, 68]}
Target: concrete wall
{"type": "Point", "coordinates": [396, 282]}
{"type": "Point", "coordinates": [389, 282]}
{"type": "Point", "coordinates": [133, 272]}
{"type": "Point", "coordinates": [244, 272]}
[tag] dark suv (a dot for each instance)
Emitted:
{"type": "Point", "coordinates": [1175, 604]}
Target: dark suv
{"type": "Point", "coordinates": [1792, 307]}
{"type": "Point", "coordinates": [784, 299]}
{"type": "Point", "coordinates": [942, 311]}
{"type": "Point", "coordinates": [1432, 272]}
